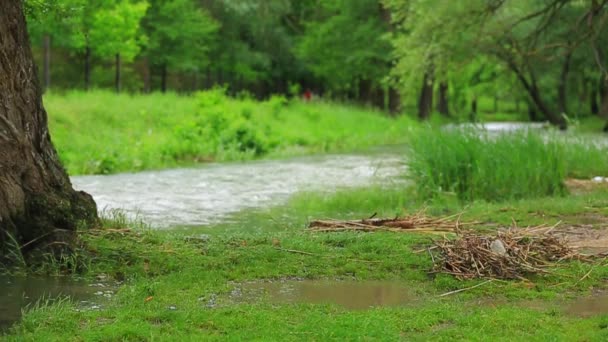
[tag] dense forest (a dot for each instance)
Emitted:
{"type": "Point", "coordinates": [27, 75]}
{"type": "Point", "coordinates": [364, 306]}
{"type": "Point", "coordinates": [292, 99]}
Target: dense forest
{"type": "Point", "coordinates": [546, 58]}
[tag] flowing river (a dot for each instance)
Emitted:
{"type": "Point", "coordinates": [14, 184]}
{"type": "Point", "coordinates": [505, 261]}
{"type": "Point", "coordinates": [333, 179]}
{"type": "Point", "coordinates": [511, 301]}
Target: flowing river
{"type": "Point", "coordinates": [208, 193]}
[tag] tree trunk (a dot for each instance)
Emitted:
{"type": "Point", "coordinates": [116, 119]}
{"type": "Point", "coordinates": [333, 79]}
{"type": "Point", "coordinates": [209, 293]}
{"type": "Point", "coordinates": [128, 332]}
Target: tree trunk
{"type": "Point", "coordinates": [118, 80]}
{"type": "Point", "coordinates": [38, 207]}
{"type": "Point", "coordinates": [473, 114]}
{"type": "Point", "coordinates": [532, 112]}
{"type": "Point", "coordinates": [425, 103]}
{"type": "Point", "coordinates": [47, 61]}
{"type": "Point", "coordinates": [394, 101]}
{"type": "Point", "coordinates": [535, 96]}
{"type": "Point", "coordinates": [378, 99]}
{"type": "Point", "coordinates": [363, 91]}
{"type": "Point", "coordinates": [163, 78]}
{"type": "Point", "coordinates": [603, 90]}
{"type": "Point", "coordinates": [147, 86]}
{"type": "Point", "coordinates": [442, 101]}
{"type": "Point", "coordinates": [87, 68]}
{"type": "Point", "coordinates": [603, 112]}
{"type": "Point", "coordinates": [562, 94]}
{"type": "Point", "coordinates": [595, 109]}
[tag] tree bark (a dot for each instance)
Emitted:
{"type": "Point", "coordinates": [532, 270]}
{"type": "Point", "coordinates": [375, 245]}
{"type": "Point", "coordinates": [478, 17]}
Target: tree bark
{"type": "Point", "coordinates": [39, 209]}
{"type": "Point", "coordinates": [87, 68]}
{"type": "Point", "coordinates": [425, 103]}
{"type": "Point", "coordinates": [442, 101]}
{"type": "Point", "coordinates": [117, 79]}
{"type": "Point", "coordinates": [47, 61]}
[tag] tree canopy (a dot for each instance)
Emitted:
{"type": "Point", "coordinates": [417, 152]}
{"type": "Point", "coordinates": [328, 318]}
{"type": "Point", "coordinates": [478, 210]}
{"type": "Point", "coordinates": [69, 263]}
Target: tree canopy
{"type": "Point", "coordinates": [442, 56]}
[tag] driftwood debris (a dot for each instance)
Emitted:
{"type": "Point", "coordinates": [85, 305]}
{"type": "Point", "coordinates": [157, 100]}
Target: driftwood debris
{"type": "Point", "coordinates": [418, 222]}
{"type": "Point", "coordinates": [526, 251]}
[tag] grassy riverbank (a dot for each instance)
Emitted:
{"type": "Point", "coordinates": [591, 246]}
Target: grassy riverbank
{"type": "Point", "coordinates": [101, 132]}
{"type": "Point", "coordinates": [171, 281]}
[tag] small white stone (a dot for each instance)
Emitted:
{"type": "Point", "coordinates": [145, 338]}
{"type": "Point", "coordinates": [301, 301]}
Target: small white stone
{"type": "Point", "coordinates": [498, 247]}
{"type": "Point", "coordinates": [599, 179]}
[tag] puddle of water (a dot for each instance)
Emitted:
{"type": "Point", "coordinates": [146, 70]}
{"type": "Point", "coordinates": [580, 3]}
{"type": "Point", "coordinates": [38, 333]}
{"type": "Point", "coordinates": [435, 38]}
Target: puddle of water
{"type": "Point", "coordinates": [209, 193]}
{"type": "Point", "coordinates": [18, 293]}
{"type": "Point", "coordinates": [588, 306]}
{"type": "Point", "coordinates": [353, 295]}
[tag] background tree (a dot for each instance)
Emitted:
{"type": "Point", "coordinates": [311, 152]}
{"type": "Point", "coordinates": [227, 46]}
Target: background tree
{"type": "Point", "coordinates": [180, 36]}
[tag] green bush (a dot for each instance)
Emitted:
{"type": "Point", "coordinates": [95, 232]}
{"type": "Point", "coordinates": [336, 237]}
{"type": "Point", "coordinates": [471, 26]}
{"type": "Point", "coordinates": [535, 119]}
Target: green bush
{"type": "Point", "coordinates": [476, 166]}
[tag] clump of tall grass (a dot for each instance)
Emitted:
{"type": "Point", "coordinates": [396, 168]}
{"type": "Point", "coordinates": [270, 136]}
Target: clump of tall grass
{"type": "Point", "coordinates": [476, 166]}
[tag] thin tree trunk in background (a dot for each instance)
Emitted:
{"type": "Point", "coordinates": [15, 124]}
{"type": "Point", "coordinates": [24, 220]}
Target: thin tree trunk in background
{"type": "Point", "coordinates": [517, 106]}
{"type": "Point", "coordinates": [378, 100]}
{"type": "Point", "coordinates": [394, 101]}
{"type": "Point", "coordinates": [163, 78]}
{"type": "Point", "coordinates": [363, 92]}
{"type": "Point", "coordinates": [87, 68]}
{"type": "Point", "coordinates": [595, 108]}
{"type": "Point", "coordinates": [473, 114]}
{"type": "Point", "coordinates": [532, 114]}
{"type": "Point", "coordinates": [39, 209]}
{"type": "Point", "coordinates": [495, 104]}
{"type": "Point", "coordinates": [535, 96]}
{"type": "Point", "coordinates": [195, 82]}
{"type": "Point", "coordinates": [47, 61]}
{"type": "Point", "coordinates": [562, 93]}
{"type": "Point", "coordinates": [117, 80]}
{"type": "Point", "coordinates": [442, 101]}
{"type": "Point", "coordinates": [603, 90]}
{"type": "Point", "coordinates": [147, 81]}
{"type": "Point", "coordinates": [603, 112]}
{"type": "Point", "coordinates": [208, 78]}
{"type": "Point", "coordinates": [425, 103]}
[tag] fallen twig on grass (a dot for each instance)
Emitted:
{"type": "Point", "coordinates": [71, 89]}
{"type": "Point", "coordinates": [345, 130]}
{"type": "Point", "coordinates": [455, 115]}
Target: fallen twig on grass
{"type": "Point", "coordinates": [466, 288]}
{"type": "Point", "coordinates": [416, 223]}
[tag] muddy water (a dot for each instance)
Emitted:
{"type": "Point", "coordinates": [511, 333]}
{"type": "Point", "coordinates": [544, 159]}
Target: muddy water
{"type": "Point", "coordinates": [206, 194]}
{"type": "Point", "coordinates": [354, 295]}
{"type": "Point", "coordinates": [17, 293]}
{"type": "Point", "coordinates": [589, 306]}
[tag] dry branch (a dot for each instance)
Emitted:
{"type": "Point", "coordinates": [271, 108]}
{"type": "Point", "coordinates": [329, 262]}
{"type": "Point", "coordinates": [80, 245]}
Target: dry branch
{"type": "Point", "coordinates": [526, 251]}
{"type": "Point", "coordinates": [416, 223]}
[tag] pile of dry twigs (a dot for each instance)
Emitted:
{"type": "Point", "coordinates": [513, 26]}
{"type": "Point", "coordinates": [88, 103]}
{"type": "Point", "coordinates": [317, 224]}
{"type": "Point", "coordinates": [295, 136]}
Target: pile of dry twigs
{"type": "Point", "coordinates": [417, 222]}
{"type": "Point", "coordinates": [510, 254]}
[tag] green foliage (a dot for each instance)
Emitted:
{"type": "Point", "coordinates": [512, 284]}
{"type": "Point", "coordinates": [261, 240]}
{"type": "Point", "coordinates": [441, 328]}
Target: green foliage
{"type": "Point", "coordinates": [116, 30]}
{"type": "Point", "coordinates": [344, 43]}
{"type": "Point", "coordinates": [180, 34]}
{"type": "Point", "coordinates": [164, 130]}
{"type": "Point", "coordinates": [476, 166]}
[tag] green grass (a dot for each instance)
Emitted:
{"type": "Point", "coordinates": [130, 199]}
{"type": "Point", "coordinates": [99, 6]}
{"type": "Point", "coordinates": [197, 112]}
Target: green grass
{"type": "Point", "coordinates": [101, 132]}
{"type": "Point", "coordinates": [174, 272]}
{"type": "Point", "coordinates": [473, 165]}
